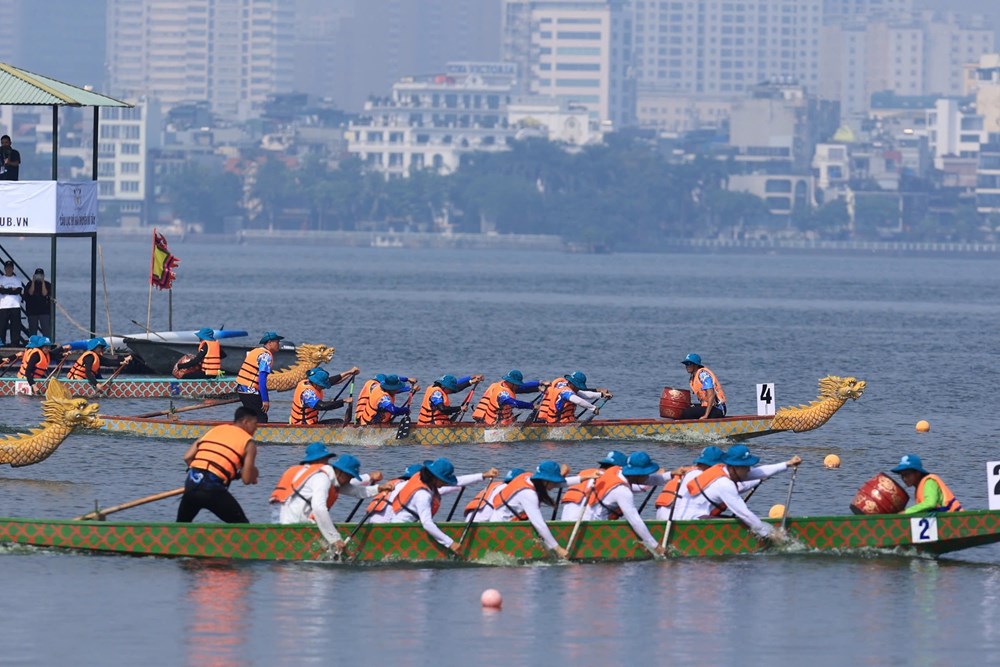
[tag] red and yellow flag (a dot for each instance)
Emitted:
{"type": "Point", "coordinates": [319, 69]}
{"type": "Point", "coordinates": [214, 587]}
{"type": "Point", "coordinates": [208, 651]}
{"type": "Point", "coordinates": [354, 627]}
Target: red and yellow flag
{"type": "Point", "coordinates": [161, 272]}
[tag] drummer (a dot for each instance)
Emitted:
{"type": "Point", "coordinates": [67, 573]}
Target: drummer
{"type": "Point", "coordinates": [932, 494]}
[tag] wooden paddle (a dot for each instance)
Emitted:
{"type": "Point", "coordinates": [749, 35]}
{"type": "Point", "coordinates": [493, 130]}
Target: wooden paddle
{"type": "Point", "coordinates": [349, 410]}
{"type": "Point", "coordinates": [9, 362]}
{"type": "Point", "coordinates": [99, 514]}
{"type": "Point", "coordinates": [599, 405]}
{"type": "Point", "coordinates": [55, 373]}
{"type": "Point", "coordinates": [404, 423]}
{"type": "Point", "coordinates": [460, 415]}
{"type": "Point", "coordinates": [457, 501]}
{"type": "Point", "coordinates": [354, 532]}
{"type": "Point", "coordinates": [555, 506]}
{"type": "Point", "coordinates": [171, 411]}
{"type": "Point", "coordinates": [101, 387]}
{"type": "Point", "coordinates": [354, 511]}
{"type": "Point", "coordinates": [530, 419]}
{"type": "Point", "coordinates": [788, 500]}
{"type": "Point", "coordinates": [670, 521]}
{"type": "Point", "coordinates": [648, 496]}
{"type": "Point", "coordinates": [579, 520]}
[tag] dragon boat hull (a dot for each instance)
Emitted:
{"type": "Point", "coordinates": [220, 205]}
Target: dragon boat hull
{"type": "Point", "coordinates": [503, 543]}
{"type": "Point", "coordinates": [131, 387]}
{"type": "Point", "coordinates": [695, 431]}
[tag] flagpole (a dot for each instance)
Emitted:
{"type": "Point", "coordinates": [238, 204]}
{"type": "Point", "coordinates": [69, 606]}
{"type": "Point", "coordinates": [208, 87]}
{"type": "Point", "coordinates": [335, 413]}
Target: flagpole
{"type": "Point", "coordinates": [149, 301]}
{"type": "Point", "coordinates": [170, 309]}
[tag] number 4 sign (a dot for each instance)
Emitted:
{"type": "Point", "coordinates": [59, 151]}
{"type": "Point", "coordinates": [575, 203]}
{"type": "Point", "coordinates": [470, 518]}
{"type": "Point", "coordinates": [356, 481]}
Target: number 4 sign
{"type": "Point", "coordinates": [765, 400]}
{"type": "Point", "coordinates": [993, 488]}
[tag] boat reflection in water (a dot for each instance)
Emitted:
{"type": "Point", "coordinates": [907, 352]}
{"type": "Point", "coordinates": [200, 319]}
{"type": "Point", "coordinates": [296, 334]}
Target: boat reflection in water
{"type": "Point", "coordinates": [218, 613]}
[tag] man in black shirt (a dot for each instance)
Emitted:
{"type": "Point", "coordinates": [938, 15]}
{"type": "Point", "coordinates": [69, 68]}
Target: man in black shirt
{"type": "Point", "coordinates": [37, 297]}
{"type": "Point", "coordinates": [10, 160]}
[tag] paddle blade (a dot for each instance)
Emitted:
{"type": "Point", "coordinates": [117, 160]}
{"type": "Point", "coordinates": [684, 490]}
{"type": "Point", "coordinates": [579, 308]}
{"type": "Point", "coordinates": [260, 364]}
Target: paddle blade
{"type": "Point", "coordinates": [404, 428]}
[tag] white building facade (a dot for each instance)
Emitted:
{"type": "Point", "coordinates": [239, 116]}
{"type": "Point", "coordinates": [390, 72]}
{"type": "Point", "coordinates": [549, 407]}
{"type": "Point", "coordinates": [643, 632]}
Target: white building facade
{"type": "Point", "coordinates": [126, 136]}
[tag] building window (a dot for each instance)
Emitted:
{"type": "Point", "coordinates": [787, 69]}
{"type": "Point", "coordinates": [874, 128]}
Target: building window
{"type": "Point", "coordinates": [130, 167]}
{"type": "Point", "coordinates": [130, 186]}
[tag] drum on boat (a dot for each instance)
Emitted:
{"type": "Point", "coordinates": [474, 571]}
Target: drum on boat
{"type": "Point", "coordinates": [880, 495]}
{"type": "Point", "coordinates": [673, 402]}
{"type": "Point", "coordinates": [181, 372]}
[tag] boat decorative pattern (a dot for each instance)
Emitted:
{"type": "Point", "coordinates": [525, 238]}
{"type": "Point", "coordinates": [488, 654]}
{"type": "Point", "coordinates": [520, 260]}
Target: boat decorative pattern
{"type": "Point", "coordinates": [62, 415]}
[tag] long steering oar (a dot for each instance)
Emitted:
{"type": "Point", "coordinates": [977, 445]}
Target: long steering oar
{"type": "Point", "coordinates": [788, 500]}
{"type": "Point", "coordinates": [579, 520]}
{"type": "Point", "coordinates": [99, 514]}
{"type": "Point", "coordinates": [199, 406]}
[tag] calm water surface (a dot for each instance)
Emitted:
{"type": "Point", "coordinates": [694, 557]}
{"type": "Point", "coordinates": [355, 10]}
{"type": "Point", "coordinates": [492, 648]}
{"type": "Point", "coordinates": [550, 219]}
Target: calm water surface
{"type": "Point", "coordinates": [921, 331]}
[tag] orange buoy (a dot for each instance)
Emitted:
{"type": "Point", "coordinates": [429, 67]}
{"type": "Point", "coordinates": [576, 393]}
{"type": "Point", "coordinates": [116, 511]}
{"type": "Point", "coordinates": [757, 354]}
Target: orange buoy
{"type": "Point", "coordinates": [831, 461]}
{"type": "Point", "coordinates": [491, 598]}
{"type": "Point", "coordinates": [777, 511]}
{"type": "Point", "coordinates": [923, 426]}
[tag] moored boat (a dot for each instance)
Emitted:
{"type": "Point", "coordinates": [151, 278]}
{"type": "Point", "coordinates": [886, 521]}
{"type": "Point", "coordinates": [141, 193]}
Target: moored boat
{"type": "Point", "coordinates": [506, 542]}
{"type": "Point", "coordinates": [130, 387]}
{"type": "Point", "coordinates": [160, 356]}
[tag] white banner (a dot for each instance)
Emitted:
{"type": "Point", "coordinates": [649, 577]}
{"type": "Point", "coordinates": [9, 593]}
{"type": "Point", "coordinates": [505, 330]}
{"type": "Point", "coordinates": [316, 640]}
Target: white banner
{"type": "Point", "coordinates": [47, 207]}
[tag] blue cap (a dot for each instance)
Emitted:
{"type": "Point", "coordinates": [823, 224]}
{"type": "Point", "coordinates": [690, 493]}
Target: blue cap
{"type": "Point", "coordinates": [316, 451]}
{"type": "Point", "coordinates": [205, 334]}
{"type": "Point", "coordinates": [269, 336]}
{"type": "Point", "coordinates": [710, 456]}
{"type": "Point", "coordinates": [319, 377]}
{"type": "Point", "coordinates": [38, 341]}
{"type": "Point", "coordinates": [613, 458]}
{"type": "Point", "coordinates": [95, 343]}
{"type": "Point", "coordinates": [692, 359]}
{"type": "Point", "coordinates": [512, 473]}
{"type": "Point", "coordinates": [349, 464]}
{"type": "Point", "coordinates": [449, 382]}
{"type": "Point", "coordinates": [391, 383]}
{"type": "Point", "coordinates": [638, 464]}
{"type": "Point", "coordinates": [548, 471]}
{"type": "Point", "coordinates": [578, 380]}
{"type": "Point", "coordinates": [910, 462]}
{"type": "Point", "coordinates": [443, 470]}
{"type": "Point", "coordinates": [514, 376]}
{"type": "Point", "coordinates": [739, 455]}
{"type": "Point", "coordinates": [411, 470]}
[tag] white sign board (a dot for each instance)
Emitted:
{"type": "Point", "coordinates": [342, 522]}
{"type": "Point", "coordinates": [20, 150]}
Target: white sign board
{"type": "Point", "coordinates": [923, 529]}
{"type": "Point", "coordinates": [993, 484]}
{"type": "Point", "coordinates": [47, 207]}
{"type": "Point", "coordinates": [765, 400]}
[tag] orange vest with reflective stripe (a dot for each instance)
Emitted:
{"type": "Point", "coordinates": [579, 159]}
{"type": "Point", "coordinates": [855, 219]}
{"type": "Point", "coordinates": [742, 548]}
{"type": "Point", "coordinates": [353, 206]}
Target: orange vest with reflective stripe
{"type": "Point", "coordinates": [488, 409]}
{"type": "Point", "coordinates": [287, 486]}
{"type": "Point", "coordinates": [381, 499]}
{"type": "Point", "coordinates": [368, 412]}
{"type": "Point", "coordinates": [603, 485]}
{"type": "Point", "coordinates": [668, 495]}
{"type": "Point", "coordinates": [401, 502]}
{"type": "Point", "coordinates": [698, 485]}
{"type": "Point", "coordinates": [516, 485]}
{"type": "Point", "coordinates": [221, 451]}
{"type": "Point", "coordinates": [211, 365]}
{"type": "Point", "coordinates": [575, 494]}
{"type": "Point", "coordinates": [429, 415]}
{"type": "Point", "coordinates": [720, 396]}
{"type": "Point", "coordinates": [249, 371]}
{"type": "Point", "coordinates": [79, 370]}
{"type": "Point", "coordinates": [41, 365]}
{"type": "Point", "coordinates": [301, 413]}
{"type": "Point", "coordinates": [481, 499]}
{"type": "Point", "coordinates": [951, 503]}
{"type": "Point", "coordinates": [547, 409]}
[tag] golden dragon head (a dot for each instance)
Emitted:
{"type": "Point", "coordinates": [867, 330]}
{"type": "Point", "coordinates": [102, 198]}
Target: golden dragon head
{"type": "Point", "coordinates": [312, 355]}
{"type": "Point", "coordinates": [61, 408]}
{"type": "Point", "coordinates": [841, 388]}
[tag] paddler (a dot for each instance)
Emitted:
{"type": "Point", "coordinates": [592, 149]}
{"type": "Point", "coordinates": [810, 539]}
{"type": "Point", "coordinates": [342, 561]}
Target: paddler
{"type": "Point", "coordinates": [572, 500]}
{"type": "Point", "coordinates": [88, 365]}
{"type": "Point", "coordinates": [380, 508]}
{"type": "Point", "coordinates": [482, 502]}
{"type": "Point", "coordinates": [521, 499]}
{"type": "Point", "coordinates": [693, 502]}
{"type": "Point", "coordinates": [306, 492]}
{"type": "Point", "coordinates": [706, 388]}
{"type": "Point", "coordinates": [378, 406]}
{"type": "Point", "coordinates": [612, 494]}
{"type": "Point", "coordinates": [559, 403]}
{"type": "Point", "coordinates": [436, 407]}
{"type": "Point", "coordinates": [252, 378]}
{"type": "Point", "coordinates": [932, 494]}
{"type": "Point", "coordinates": [207, 361]}
{"type": "Point", "coordinates": [307, 399]}
{"type": "Point", "coordinates": [496, 407]}
{"type": "Point", "coordinates": [216, 459]}
{"type": "Point", "coordinates": [676, 485]}
{"type": "Point", "coordinates": [35, 360]}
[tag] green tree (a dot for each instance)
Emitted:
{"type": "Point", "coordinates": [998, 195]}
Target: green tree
{"type": "Point", "coordinates": [201, 194]}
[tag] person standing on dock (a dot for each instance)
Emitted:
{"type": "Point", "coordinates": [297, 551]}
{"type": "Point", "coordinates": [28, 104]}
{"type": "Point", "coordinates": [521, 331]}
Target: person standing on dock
{"type": "Point", "coordinates": [307, 400]}
{"type": "Point", "coordinates": [436, 408]}
{"type": "Point", "coordinates": [37, 297]}
{"type": "Point", "coordinates": [207, 361]}
{"type": "Point", "coordinates": [252, 378]}
{"type": "Point", "coordinates": [706, 387]}
{"type": "Point", "coordinates": [10, 305]}
{"type": "Point", "coordinates": [496, 407]}
{"type": "Point", "coordinates": [216, 459]}
{"type": "Point", "coordinates": [558, 406]}
{"type": "Point", "coordinates": [932, 494]}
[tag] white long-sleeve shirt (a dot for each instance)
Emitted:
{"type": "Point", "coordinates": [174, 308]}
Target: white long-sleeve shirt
{"type": "Point", "coordinates": [582, 398]}
{"type": "Point", "coordinates": [387, 514]}
{"type": "Point", "coordinates": [298, 507]}
{"type": "Point", "coordinates": [571, 511]}
{"type": "Point", "coordinates": [421, 504]}
{"type": "Point", "coordinates": [698, 506]}
{"type": "Point", "coordinates": [622, 498]}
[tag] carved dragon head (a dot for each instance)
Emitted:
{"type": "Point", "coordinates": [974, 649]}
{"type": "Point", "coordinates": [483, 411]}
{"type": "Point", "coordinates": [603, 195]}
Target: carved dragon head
{"type": "Point", "coordinates": [841, 388]}
{"type": "Point", "coordinates": [61, 408]}
{"type": "Point", "coordinates": [313, 355]}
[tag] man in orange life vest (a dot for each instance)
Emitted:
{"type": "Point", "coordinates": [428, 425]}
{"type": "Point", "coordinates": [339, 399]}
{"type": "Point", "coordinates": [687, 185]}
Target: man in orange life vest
{"type": "Point", "coordinates": [35, 360]}
{"type": "Point", "coordinates": [216, 459]}
{"type": "Point", "coordinates": [207, 362]}
{"type": "Point", "coordinates": [706, 388]}
{"type": "Point", "coordinates": [613, 494]}
{"type": "Point", "coordinates": [564, 394]}
{"type": "Point", "coordinates": [436, 408]}
{"type": "Point", "coordinates": [252, 379]}
{"type": "Point", "coordinates": [378, 406]}
{"type": "Point", "coordinates": [932, 494]}
{"type": "Point", "coordinates": [88, 365]}
{"type": "Point", "coordinates": [496, 407]}
{"type": "Point", "coordinates": [307, 400]}
{"type": "Point", "coordinates": [307, 491]}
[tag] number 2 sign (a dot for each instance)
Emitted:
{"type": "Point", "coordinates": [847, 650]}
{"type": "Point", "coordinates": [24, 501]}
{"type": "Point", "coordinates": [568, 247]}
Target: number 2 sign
{"type": "Point", "coordinates": [993, 487]}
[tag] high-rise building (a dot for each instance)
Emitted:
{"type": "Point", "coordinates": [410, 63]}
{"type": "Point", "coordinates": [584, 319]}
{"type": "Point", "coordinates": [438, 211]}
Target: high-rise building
{"type": "Point", "coordinates": [232, 53]}
{"type": "Point", "coordinates": [578, 51]}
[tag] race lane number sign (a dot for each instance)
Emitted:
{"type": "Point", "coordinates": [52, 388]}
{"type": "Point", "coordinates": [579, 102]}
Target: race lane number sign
{"type": "Point", "coordinates": [765, 400]}
{"type": "Point", "coordinates": [923, 529]}
{"type": "Point", "coordinates": [993, 488]}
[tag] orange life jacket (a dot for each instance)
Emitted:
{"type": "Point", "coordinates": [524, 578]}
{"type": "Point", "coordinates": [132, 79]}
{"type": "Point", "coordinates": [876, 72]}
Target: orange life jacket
{"type": "Point", "coordinates": [698, 485]}
{"type": "Point", "coordinates": [603, 485]}
{"type": "Point", "coordinates": [428, 413]}
{"type": "Point", "coordinates": [366, 390]}
{"type": "Point", "coordinates": [368, 412]}
{"type": "Point", "coordinates": [302, 413]}
{"type": "Point", "coordinates": [951, 503]}
{"type": "Point", "coordinates": [381, 499]}
{"type": "Point", "coordinates": [481, 499]}
{"type": "Point", "coordinates": [41, 365]}
{"type": "Point", "coordinates": [221, 451]}
{"type": "Point", "coordinates": [249, 371]}
{"type": "Point", "coordinates": [515, 486]}
{"type": "Point", "coordinates": [211, 365]}
{"type": "Point", "coordinates": [402, 500]}
{"type": "Point", "coordinates": [576, 494]}
{"type": "Point", "coordinates": [547, 409]}
{"type": "Point", "coordinates": [489, 411]}
{"type": "Point", "coordinates": [287, 486]}
{"type": "Point", "coordinates": [90, 359]}
{"type": "Point", "coordinates": [696, 390]}
{"type": "Point", "coordinates": [668, 495]}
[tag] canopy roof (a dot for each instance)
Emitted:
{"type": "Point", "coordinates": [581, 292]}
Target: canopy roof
{"type": "Point", "coordinates": [18, 86]}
